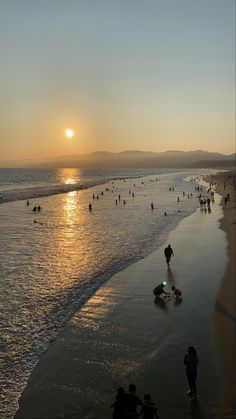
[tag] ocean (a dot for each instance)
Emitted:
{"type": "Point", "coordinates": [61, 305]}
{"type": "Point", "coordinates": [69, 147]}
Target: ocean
{"type": "Point", "coordinates": [53, 260]}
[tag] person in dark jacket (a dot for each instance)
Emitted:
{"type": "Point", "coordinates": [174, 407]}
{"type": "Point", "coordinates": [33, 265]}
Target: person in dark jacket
{"type": "Point", "coordinates": [118, 404]}
{"type": "Point", "coordinates": [131, 402]}
{"type": "Point", "coordinates": [191, 363]}
{"type": "Point", "coordinates": [168, 253]}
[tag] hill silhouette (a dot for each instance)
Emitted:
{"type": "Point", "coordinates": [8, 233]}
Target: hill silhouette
{"type": "Point", "coordinates": [131, 159]}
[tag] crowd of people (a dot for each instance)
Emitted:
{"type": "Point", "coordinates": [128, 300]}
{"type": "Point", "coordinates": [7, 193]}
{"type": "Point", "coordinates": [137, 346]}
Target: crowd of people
{"type": "Point", "coordinates": [128, 405]}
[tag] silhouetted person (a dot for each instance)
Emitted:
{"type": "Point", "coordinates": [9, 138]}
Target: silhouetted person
{"type": "Point", "coordinates": [119, 197]}
{"type": "Point", "coordinates": [118, 404]}
{"type": "Point", "coordinates": [168, 252]}
{"type": "Point", "coordinates": [149, 409]}
{"type": "Point", "coordinates": [191, 363]}
{"type": "Point", "coordinates": [124, 202]}
{"type": "Point", "coordinates": [34, 209]}
{"type": "Point", "coordinates": [165, 213]}
{"type": "Point", "coordinates": [116, 202]}
{"type": "Point", "coordinates": [159, 290]}
{"type": "Point", "coordinates": [90, 207]}
{"type": "Point", "coordinates": [27, 203]}
{"type": "Point", "coordinates": [39, 208]}
{"type": "Point", "coordinates": [131, 402]}
{"type": "Point", "coordinates": [178, 199]}
{"type": "Point", "coordinates": [152, 206]}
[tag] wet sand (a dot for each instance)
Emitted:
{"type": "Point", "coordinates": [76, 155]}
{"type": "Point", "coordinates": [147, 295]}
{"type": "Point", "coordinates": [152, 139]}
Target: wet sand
{"type": "Point", "coordinates": [225, 309]}
{"type": "Point", "coordinates": [121, 336]}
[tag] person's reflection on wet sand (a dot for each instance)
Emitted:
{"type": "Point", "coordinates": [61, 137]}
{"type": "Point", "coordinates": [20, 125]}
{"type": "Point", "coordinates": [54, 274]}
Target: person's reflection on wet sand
{"type": "Point", "coordinates": [159, 303]}
{"type": "Point", "coordinates": [170, 275]}
{"type": "Point", "coordinates": [195, 412]}
{"type": "Point", "coordinates": [178, 301]}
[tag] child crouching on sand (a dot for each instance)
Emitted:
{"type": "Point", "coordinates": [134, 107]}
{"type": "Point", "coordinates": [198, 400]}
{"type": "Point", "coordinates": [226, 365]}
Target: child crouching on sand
{"type": "Point", "coordinates": [176, 292]}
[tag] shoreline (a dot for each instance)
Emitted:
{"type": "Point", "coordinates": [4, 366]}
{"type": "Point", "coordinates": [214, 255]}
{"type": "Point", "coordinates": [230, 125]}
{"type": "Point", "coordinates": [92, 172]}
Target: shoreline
{"type": "Point", "coordinates": [45, 373]}
{"type": "Point", "coordinates": [224, 315]}
{"type": "Point", "coordinates": [51, 205]}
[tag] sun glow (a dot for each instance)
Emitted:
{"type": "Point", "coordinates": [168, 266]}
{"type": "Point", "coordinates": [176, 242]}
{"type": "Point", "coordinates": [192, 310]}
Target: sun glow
{"type": "Point", "coordinates": [69, 133]}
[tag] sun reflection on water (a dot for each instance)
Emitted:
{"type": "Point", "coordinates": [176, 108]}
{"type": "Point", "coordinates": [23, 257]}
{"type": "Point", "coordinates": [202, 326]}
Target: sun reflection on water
{"type": "Point", "coordinates": [70, 207]}
{"type": "Point", "coordinates": [69, 176]}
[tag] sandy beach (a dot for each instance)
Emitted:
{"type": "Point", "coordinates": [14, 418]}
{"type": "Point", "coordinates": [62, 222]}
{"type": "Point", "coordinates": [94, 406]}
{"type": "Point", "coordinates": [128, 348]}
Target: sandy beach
{"type": "Point", "coordinates": [121, 336]}
{"type": "Point", "coordinates": [225, 310]}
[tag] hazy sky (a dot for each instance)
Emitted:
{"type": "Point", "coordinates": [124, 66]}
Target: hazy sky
{"type": "Point", "coordinates": [124, 74]}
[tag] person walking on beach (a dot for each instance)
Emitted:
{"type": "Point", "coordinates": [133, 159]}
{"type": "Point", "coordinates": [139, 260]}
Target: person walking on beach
{"type": "Point", "coordinates": [168, 253]}
{"type": "Point", "coordinates": [191, 363]}
{"type": "Point", "coordinates": [131, 402]}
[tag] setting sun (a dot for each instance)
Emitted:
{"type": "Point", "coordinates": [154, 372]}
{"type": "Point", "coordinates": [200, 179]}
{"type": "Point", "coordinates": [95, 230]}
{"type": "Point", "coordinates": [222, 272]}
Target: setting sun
{"type": "Point", "coordinates": [69, 133]}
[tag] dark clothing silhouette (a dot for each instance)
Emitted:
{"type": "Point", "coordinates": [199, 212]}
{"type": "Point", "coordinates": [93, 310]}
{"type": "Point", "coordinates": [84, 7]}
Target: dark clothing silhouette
{"type": "Point", "coordinates": [168, 253]}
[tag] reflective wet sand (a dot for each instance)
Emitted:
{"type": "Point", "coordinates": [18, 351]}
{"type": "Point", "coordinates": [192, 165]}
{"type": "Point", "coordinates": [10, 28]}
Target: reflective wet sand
{"type": "Point", "coordinates": [121, 336]}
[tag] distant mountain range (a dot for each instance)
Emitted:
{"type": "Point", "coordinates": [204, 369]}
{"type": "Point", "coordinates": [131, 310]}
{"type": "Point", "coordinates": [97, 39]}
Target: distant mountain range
{"type": "Point", "coordinates": [131, 159]}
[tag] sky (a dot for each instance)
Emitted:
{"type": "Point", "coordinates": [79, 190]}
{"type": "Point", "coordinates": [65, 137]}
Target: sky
{"type": "Point", "coordinates": [150, 75]}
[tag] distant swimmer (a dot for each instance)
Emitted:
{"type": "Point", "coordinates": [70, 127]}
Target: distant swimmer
{"type": "Point", "coordinates": [27, 203]}
{"type": "Point", "coordinates": [168, 252]}
{"type": "Point", "coordinates": [36, 222]}
{"type": "Point", "coordinates": [34, 209]}
{"type": "Point", "coordinates": [152, 206]}
{"type": "Point", "coordinates": [90, 207]}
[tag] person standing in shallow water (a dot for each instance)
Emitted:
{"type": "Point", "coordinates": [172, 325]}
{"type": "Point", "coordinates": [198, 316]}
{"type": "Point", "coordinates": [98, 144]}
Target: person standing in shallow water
{"type": "Point", "coordinates": [191, 363]}
{"type": "Point", "coordinates": [168, 252]}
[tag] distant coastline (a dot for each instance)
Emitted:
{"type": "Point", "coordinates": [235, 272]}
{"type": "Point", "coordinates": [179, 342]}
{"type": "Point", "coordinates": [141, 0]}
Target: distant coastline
{"type": "Point", "coordinates": [130, 159]}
